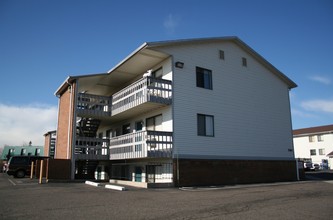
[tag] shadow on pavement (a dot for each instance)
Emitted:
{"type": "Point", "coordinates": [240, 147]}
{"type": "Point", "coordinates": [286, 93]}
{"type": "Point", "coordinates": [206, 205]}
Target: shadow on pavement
{"type": "Point", "coordinates": [319, 175]}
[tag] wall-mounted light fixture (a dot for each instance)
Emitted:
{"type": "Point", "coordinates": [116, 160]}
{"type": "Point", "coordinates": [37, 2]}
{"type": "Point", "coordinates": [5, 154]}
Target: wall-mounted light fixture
{"type": "Point", "coordinates": [179, 64]}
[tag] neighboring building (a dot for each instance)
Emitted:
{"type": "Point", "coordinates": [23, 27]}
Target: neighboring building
{"type": "Point", "coordinates": [50, 142]}
{"type": "Point", "coordinates": [315, 144]}
{"type": "Point", "coordinates": [183, 112]}
{"type": "Point", "coordinates": [10, 151]}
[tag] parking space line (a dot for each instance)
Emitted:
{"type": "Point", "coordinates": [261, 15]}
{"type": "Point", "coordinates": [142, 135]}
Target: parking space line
{"type": "Point", "coordinates": [12, 182]}
{"type": "Point", "coordinates": [329, 181]}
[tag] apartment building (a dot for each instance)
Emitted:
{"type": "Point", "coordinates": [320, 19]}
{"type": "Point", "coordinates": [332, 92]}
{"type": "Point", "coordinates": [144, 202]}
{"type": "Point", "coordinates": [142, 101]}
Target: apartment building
{"type": "Point", "coordinates": [315, 144]}
{"type": "Point", "coordinates": [49, 143]}
{"type": "Point", "coordinates": [180, 113]}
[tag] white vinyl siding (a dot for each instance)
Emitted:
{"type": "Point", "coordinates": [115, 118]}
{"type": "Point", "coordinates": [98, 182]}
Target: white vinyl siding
{"type": "Point", "coordinates": [250, 105]}
{"type": "Point", "coordinates": [303, 148]}
{"type": "Point", "coordinates": [164, 121]}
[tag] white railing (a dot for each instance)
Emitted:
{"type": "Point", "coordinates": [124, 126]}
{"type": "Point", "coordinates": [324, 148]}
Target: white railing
{"type": "Point", "coordinates": [147, 89]}
{"type": "Point", "coordinates": [94, 104]}
{"type": "Point", "coordinates": [141, 144]}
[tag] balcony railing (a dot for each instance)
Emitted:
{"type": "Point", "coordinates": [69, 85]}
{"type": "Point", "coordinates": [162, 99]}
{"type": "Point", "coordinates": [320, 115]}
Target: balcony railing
{"type": "Point", "coordinates": [142, 144]}
{"type": "Point", "coordinates": [91, 148]}
{"type": "Point", "coordinates": [93, 105]}
{"type": "Point", "coordinates": [147, 89]}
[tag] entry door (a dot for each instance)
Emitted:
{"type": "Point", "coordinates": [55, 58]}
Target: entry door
{"type": "Point", "coordinates": [150, 174]}
{"type": "Point", "coordinates": [138, 174]}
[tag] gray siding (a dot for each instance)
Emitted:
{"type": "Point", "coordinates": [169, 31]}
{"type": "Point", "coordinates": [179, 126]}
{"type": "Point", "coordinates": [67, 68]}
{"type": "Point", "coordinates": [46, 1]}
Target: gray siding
{"type": "Point", "coordinates": [250, 105]}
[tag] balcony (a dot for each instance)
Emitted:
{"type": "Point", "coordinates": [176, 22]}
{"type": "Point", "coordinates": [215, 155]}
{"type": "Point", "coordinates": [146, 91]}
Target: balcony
{"type": "Point", "coordinates": [142, 144]}
{"type": "Point", "coordinates": [142, 95]}
{"type": "Point", "coordinates": [93, 105]}
{"type": "Point", "coordinates": [91, 148]}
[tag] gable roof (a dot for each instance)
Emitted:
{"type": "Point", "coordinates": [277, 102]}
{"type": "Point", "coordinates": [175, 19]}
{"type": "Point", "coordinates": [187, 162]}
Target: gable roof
{"type": "Point", "coordinates": [233, 39]}
{"type": "Point", "coordinates": [313, 130]}
{"type": "Point", "coordinates": [149, 54]}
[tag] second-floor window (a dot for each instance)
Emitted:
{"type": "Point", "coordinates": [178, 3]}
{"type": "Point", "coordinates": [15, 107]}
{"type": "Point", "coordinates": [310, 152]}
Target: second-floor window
{"type": "Point", "coordinates": [320, 138]}
{"type": "Point", "coordinates": [312, 138]}
{"type": "Point", "coordinates": [205, 125]}
{"type": "Point", "coordinates": [204, 78]}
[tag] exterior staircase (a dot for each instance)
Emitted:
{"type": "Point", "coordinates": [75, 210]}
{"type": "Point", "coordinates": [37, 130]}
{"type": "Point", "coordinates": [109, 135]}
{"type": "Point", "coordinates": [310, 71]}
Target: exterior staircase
{"type": "Point", "coordinates": [87, 127]}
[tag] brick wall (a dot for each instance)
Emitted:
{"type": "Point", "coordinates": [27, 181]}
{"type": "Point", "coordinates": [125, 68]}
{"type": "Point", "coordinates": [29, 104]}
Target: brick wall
{"type": "Point", "coordinates": [65, 124]}
{"type": "Point", "coordinates": [47, 144]}
{"type": "Point", "coordinates": [227, 172]}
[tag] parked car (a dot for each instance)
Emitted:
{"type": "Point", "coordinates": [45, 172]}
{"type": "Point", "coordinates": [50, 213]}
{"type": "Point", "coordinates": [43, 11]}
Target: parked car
{"type": "Point", "coordinates": [315, 166]}
{"type": "Point", "coordinates": [19, 166]}
{"type": "Point", "coordinates": [309, 166]}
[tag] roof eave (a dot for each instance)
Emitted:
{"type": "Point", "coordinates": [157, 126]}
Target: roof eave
{"type": "Point", "coordinates": [70, 79]}
{"type": "Point", "coordinates": [144, 45]}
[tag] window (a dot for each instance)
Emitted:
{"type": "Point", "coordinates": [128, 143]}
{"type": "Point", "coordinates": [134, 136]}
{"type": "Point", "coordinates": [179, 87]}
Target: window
{"type": "Point", "coordinates": [320, 137]}
{"type": "Point", "coordinates": [205, 125]}
{"type": "Point", "coordinates": [312, 138]}
{"type": "Point", "coordinates": [154, 123]}
{"type": "Point", "coordinates": [108, 133]}
{"type": "Point", "coordinates": [322, 151]}
{"type": "Point", "coordinates": [126, 129]}
{"type": "Point", "coordinates": [23, 151]}
{"type": "Point", "coordinates": [158, 73]}
{"type": "Point", "coordinates": [37, 152]}
{"type": "Point", "coordinates": [204, 78]}
{"type": "Point", "coordinates": [313, 152]}
{"type": "Point", "coordinates": [138, 125]}
{"type": "Point", "coordinates": [244, 61]}
{"type": "Point", "coordinates": [221, 53]}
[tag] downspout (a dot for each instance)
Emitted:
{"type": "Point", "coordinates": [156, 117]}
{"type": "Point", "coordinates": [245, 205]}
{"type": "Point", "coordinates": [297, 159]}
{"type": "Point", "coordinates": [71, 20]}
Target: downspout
{"type": "Point", "coordinates": [69, 117]}
{"type": "Point", "coordinates": [55, 147]}
{"type": "Point", "coordinates": [173, 118]}
{"type": "Point", "coordinates": [72, 121]}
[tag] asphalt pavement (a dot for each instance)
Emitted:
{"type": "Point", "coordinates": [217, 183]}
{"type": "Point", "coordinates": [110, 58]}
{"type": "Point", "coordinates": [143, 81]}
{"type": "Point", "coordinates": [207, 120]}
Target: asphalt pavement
{"type": "Point", "coordinates": [26, 199]}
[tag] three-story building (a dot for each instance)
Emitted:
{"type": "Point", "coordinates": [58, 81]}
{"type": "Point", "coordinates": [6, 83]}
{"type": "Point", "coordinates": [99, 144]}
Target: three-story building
{"type": "Point", "coordinates": [183, 112]}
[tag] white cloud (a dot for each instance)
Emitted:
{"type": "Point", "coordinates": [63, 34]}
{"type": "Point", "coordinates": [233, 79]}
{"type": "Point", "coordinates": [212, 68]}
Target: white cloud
{"type": "Point", "coordinates": [170, 23]}
{"type": "Point", "coordinates": [321, 79]}
{"type": "Point", "coordinates": [303, 114]}
{"type": "Point", "coordinates": [21, 124]}
{"type": "Point", "coordinates": [318, 105]}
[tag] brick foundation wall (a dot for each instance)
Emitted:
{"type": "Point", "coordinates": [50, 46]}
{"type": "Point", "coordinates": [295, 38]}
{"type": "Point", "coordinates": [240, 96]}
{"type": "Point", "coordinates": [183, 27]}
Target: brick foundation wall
{"type": "Point", "coordinates": [194, 172]}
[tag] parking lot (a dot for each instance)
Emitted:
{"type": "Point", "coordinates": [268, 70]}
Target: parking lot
{"type": "Point", "coordinates": [26, 199]}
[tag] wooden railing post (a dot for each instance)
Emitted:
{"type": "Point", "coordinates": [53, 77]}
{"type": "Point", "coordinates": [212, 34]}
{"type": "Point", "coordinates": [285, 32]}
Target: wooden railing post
{"type": "Point", "coordinates": [41, 172]}
{"type": "Point", "coordinates": [32, 170]}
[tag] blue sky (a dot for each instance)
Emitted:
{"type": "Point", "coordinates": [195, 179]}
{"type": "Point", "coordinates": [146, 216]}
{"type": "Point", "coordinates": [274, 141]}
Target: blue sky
{"type": "Point", "coordinates": [44, 41]}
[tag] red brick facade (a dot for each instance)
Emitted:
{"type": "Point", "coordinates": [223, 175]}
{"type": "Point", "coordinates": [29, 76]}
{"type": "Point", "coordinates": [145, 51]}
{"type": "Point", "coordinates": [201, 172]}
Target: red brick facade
{"type": "Point", "coordinates": [47, 144]}
{"type": "Point", "coordinates": [65, 123]}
